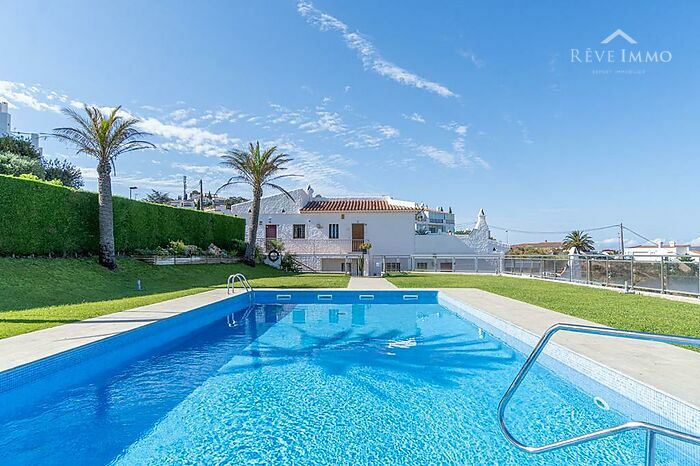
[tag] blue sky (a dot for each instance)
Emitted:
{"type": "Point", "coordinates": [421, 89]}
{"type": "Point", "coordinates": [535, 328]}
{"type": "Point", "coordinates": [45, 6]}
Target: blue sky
{"type": "Point", "coordinates": [461, 104]}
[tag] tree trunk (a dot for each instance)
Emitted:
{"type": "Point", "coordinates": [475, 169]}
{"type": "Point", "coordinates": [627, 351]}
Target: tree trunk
{"type": "Point", "coordinates": [253, 227]}
{"type": "Point", "coordinates": [106, 216]}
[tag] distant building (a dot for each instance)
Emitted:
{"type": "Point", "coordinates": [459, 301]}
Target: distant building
{"type": "Point", "coordinates": [660, 249]}
{"type": "Point", "coordinates": [6, 128]}
{"type": "Point", "coordinates": [5, 119]}
{"type": "Point", "coordinates": [434, 221]}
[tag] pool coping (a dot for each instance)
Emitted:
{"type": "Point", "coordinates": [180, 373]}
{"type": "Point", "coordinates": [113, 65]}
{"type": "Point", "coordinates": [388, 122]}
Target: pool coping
{"type": "Point", "coordinates": [29, 347]}
{"type": "Point", "coordinates": [663, 368]}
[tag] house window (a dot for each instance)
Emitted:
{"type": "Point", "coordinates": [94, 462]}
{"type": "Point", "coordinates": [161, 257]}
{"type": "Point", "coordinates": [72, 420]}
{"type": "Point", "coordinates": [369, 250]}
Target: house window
{"type": "Point", "coordinates": [393, 267]}
{"type": "Point", "coordinates": [421, 266]}
{"type": "Point", "coordinates": [299, 231]}
{"type": "Point", "coordinates": [333, 231]}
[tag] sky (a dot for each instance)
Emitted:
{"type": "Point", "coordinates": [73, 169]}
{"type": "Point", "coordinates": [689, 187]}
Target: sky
{"type": "Point", "coordinates": [514, 107]}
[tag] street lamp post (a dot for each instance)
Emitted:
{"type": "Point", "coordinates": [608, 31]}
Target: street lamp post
{"type": "Point", "coordinates": [131, 190]}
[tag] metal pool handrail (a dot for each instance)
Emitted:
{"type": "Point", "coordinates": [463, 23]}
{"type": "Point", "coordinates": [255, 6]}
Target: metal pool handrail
{"type": "Point", "coordinates": [231, 283]}
{"type": "Point", "coordinates": [652, 430]}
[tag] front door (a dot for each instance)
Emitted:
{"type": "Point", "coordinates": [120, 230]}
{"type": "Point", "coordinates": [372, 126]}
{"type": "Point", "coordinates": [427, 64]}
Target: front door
{"type": "Point", "coordinates": [358, 236]}
{"type": "Point", "coordinates": [270, 234]}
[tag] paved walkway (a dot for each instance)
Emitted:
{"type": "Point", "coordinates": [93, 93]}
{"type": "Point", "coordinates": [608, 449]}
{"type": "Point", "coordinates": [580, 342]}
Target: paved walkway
{"type": "Point", "coordinates": [370, 283]}
{"type": "Point", "coordinates": [670, 369]}
{"type": "Point", "coordinates": [28, 347]}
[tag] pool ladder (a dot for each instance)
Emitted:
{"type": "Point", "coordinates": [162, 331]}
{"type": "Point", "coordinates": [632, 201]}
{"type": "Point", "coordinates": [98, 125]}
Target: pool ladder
{"type": "Point", "coordinates": [231, 283]}
{"type": "Point", "coordinates": [652, 430]}
{"type": "Point", "coordinates": [231, 289]}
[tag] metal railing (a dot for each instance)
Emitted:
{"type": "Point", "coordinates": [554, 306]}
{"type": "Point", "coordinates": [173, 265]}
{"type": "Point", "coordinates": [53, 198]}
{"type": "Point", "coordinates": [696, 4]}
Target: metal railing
{"type": "Point", "coordinates": [664, 274]}
{"type": "Point", "coordinates": [231, 283]}
{"type": "Point", "coordinates": [652, 430]}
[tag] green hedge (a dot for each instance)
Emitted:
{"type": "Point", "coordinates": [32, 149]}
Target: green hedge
{"type": "Point", "coordinates": [38, 218]}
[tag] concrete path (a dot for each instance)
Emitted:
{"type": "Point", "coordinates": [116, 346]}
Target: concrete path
{"type": "Point", "coordinates": [670, 369]}
{"type": "Point", "coordinates": [28, 347]}
{"type": "Point", "coordinates": [370, 283]}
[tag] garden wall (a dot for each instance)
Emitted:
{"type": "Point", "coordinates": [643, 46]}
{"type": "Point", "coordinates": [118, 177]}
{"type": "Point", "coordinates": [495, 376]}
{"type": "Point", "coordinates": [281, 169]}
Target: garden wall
{"type": "Point", "coordinates": [38, 218]}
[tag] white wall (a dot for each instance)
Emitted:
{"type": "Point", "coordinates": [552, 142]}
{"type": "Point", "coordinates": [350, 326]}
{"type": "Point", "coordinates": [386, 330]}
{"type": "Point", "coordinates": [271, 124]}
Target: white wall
{"type": "Point", "coordinates": [440, 244]}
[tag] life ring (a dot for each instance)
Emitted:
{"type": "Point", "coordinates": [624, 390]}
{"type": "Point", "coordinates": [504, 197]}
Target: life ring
{"type": "Point", "coordinates": [273, 255]}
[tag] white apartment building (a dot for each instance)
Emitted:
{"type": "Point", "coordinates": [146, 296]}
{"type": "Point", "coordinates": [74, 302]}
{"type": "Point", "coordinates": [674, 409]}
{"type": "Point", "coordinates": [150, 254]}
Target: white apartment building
{"type": "Point", "coordinates": [326, 233]}
{"type": "Point", "coordinates": [6, 127]}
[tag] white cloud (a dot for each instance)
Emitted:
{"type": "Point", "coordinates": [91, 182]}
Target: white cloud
{"type": "Point", "coordinates": [471, 56]}
{"type": "Point", "coordinates": [695, 242]}
{"type": "Point", "coordinates": [326, 178]}
{"type": "Point", "coordinates": [414, 117]}
{"type": "Point", "coordinates": [29, 96]}
{"type": "Point", "coordinates": [180, 114]}
{"type": "Point", "coordinates": [524, 132]}
{"type": "Point", "coordinates": [325, 121]}
{"type": "Point", "coordinates": [388, 131]}
{"type": "Point", "coordinates": [190, 167]}
{"type": "Point", "coordinates": [188, 139]}
{"type": "Point", "coordinates": [459, 129]}
{"type": "Point", "coordinates": [370, 56]}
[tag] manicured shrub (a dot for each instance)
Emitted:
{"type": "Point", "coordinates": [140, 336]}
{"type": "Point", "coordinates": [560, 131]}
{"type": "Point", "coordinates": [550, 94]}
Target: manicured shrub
{"type": "Point", "coordinates": [38, 218]}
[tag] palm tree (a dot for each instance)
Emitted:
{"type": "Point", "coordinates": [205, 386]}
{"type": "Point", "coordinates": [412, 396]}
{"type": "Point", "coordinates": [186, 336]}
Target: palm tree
{"type": "Point", "coordinates": [258, 169]}
{"type": "Point", "coordinates": [105, 137]}
{"type": "Point", "coordinates": [580, 240]}
{"type": "Point", "coordinates": [158, 197]}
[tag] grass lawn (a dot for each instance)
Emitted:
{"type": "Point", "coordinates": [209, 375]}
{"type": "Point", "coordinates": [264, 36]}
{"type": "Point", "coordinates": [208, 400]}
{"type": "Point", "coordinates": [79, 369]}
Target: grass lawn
{"type": "Point", "coordinates": [633, 312]}
{"type": "Point", "coordinates": [41, 293]}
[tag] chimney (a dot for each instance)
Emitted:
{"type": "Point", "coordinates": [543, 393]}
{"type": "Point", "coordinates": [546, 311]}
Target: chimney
{"type": "Point", "coordinates": [4, 107]}
{"type": "Point", "coordinates": [672, 244]}
{"type": "Point", "coordinates": [310, 191]}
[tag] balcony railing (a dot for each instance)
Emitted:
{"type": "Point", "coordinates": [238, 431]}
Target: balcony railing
{"type": "Point", "coordinates": [315, 245]}
{"type": "Point", "coordinates": [356, 243]}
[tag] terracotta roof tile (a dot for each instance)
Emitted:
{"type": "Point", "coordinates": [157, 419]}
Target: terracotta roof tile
{"type": "Point", "coordinates": [355, 205]}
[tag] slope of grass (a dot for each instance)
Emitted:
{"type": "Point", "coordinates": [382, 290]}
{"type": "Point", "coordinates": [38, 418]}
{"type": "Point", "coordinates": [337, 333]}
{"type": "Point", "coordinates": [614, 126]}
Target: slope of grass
{"type": "Point", "coordinates": [41, 293]}
{"type": "Point", "coordinates": [625, 311]}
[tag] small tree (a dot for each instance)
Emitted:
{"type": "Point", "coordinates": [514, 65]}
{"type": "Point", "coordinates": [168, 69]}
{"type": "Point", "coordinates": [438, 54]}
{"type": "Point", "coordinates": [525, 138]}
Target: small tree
{"type": "Point", "coordinates": [64, 171]}
{"type": "Point", "coordinates": [158, 197]}
{"type": "Point", "coordinates": [579, 240]}
{"type": "Point", "coordinates": [14, 164]}
{"type": "Point", "coordinates": [19, 146]}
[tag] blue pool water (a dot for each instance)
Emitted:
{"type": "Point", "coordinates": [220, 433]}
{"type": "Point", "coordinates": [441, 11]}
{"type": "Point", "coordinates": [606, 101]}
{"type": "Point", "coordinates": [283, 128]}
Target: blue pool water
{"type": "Point", "coordinates": [317, 384]}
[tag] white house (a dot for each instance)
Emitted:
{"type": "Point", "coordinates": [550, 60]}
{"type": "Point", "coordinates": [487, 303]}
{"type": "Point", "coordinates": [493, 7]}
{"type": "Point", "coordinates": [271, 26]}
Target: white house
{"type": "Point", "coordinates": [656, 252]}
{"type": "Point", "coordinates": [326, 234]}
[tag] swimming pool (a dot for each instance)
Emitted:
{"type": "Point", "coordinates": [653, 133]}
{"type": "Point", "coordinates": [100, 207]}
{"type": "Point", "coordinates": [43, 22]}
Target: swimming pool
{"type": "Point", "coordinates": [307, 378]}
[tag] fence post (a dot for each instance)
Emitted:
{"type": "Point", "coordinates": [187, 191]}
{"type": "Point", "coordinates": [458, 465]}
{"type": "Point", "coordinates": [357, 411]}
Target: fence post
{"type": "Point", "coordinates": [588, 273]}
{"type": "Point", "coordinates": [663, 282]}
{"type": "Point", "coordinates": [453, 263]}
{"type": "Point", "coordinates": [632, 272]}
{"type": "Point", "coordinates": [476, 264]}
{"type": "Point", "coordinates": [607, 271]}
{"type": "Point", "coordinates": [571, 269]}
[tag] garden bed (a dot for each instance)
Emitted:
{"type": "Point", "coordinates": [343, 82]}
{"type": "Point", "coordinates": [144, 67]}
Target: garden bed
{"type": "Point", "coordinates": [185, 260]}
